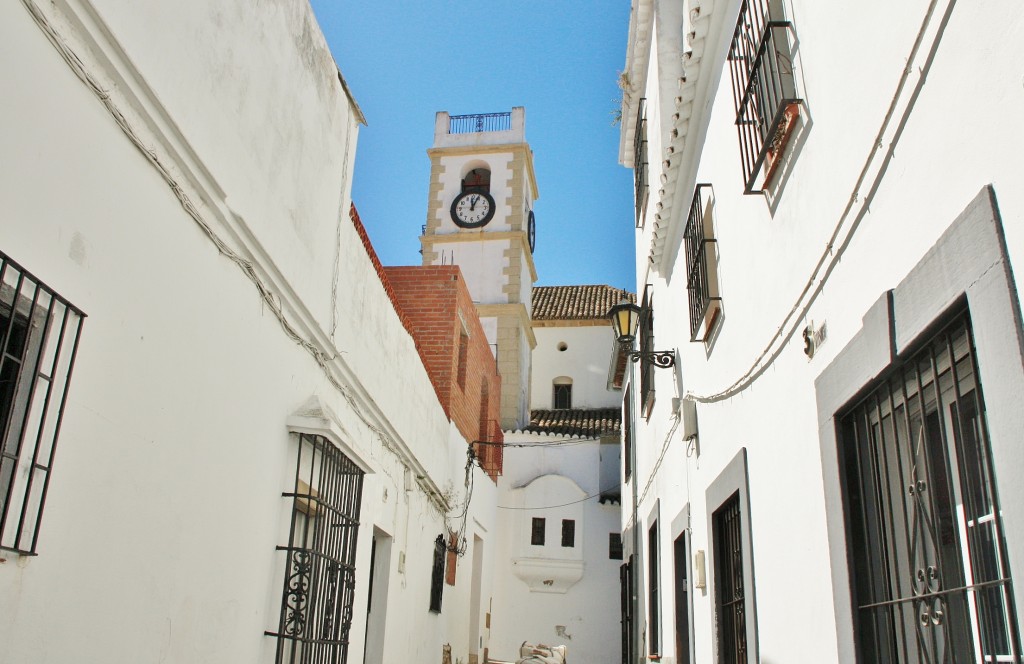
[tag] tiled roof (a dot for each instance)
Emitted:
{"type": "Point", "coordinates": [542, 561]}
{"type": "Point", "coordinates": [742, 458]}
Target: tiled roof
{"type": "Point", "coordinates": [582, 422]}
{"type": "Point", "coordinates": [576, 302]}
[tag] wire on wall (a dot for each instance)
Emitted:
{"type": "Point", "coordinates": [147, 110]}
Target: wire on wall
{"type": "Point", "coordinates": [271, 301]}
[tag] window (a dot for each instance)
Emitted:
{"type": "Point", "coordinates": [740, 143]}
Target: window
{"type": "Point", "coordinates": [923, 516]}
{"type": "Point", "coordinates": [568, 533]}
{"type": "Point", "coordinates": [478, 179]}
{"type": "Point", "coordinates": [640, 163]}
{"type": "Point", "coordinates": [39, 333]}
{"type": "Point", "coordinates": [537, 532]}
{"type": "Point", "coordinates": [702, 264]}
{"type": "Point", "coordinates": [437, 575]}
{"type": "Point", "coordinates": [463, 355]}
{"type": "Point", "coordinates": [647, 346]}
{"type": "Point", "coordinates": [319, 583]}
{"type": "Point", "coordinates": [627, 430]}
{"type": "Point", "coordinates": [764, 88]}
{"type": "Point", "coordinates": [562, 393]}
{"type": "Point", "coordinates": [730, 601]}
{"type": "Point", "coordinates": [615, 546]}
{"type": "Point", "coordinates": [626, 609]}
{"type": "Point", "coordinates": [653, 590]}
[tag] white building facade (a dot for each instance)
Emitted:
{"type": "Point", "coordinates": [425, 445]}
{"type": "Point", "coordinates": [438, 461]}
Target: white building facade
{"type": "Point", "coordinates": [827, 218]}
{"type": "Point", "coordinates": [238, 465]}
{"type": "Point", "coordinates": [558, 499]}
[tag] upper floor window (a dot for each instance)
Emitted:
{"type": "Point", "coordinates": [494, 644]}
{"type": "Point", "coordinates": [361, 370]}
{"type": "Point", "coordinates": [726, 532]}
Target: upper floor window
{"type": "Point", "coordinates": [38, 341]}
{"type": "Point", "coordinates": [702, 264]}
{"type": "Point", "coordinates": [460, 374]}
{"type": "Point", "coordinates": [764, 89]}
{"type": "Point", "coordinates": [319, 583]}
{"type": "Point", "coordinates": [646, 333]}
{"type": "Point", "coordinates": [537, 531]}
{"type": "Point", "coordinates": [568, 532]}
{"type": "Point", "coordinates": [640, 162]}
{"type": "Point", "coordinates": [562, 393]}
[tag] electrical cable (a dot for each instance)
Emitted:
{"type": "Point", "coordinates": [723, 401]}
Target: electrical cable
{"type": "Point", "coordinates": [832, 254]}
{"type": "Point", "coordinates": [247, 267]}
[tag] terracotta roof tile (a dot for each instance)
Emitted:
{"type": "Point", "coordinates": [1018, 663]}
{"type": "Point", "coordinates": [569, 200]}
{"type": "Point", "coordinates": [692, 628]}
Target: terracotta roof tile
{"type": "Point", "coordinates": [582, 422]}
{"type": "Point", "coordinates": [576, 302]}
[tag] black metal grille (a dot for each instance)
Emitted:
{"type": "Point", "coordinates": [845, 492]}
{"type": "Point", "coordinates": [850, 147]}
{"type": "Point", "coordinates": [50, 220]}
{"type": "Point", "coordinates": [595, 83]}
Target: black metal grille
{"type": "Point", "coordinates": [647, 346]}
{"type": "Point", "coordinates": [653, 590]}
{"type": "Point", "coordinates": [470, 124]}
{"type": "Point", "coordinates": [39, 333]}
{"type": "Point", "coordinates": [701, 280]}
{"type": "Point", "coordinates": [319, 583]}
{"type": "Point", "coordinates": [640, 162]}
{"type": "Point", "coordinates": [562, 397]}
{"type": "Point", "coordinates": [930, 574]}
{"type": "Point", "coordinates": [627, 431]}
{"type": "Point", "coordinates": [437, 574]}
{"type": "Point", "coordinates": [763, 85]}
{"type": "Point", "coordinates": [730, 597]}
{"type": "Point", "coordinates": [626, 611]}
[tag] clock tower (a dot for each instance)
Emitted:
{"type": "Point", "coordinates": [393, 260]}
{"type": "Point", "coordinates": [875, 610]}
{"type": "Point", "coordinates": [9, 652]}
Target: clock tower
{"type": "Point", "coordinates": [480, 217]}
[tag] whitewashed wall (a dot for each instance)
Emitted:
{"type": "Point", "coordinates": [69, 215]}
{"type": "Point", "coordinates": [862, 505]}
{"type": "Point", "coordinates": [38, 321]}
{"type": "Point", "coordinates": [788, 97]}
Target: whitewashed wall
{"type": "Point", "coordinates": [957, 138]}
{"type": "Point", "coordinates": [158, 540]}
{"type": "Point", "coordinates": [583, 615]}
{"type": "Point", "coordinates": [585, 360]}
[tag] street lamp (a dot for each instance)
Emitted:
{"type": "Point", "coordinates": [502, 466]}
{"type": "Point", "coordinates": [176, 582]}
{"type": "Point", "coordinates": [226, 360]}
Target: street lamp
{"type": "Point", "coordinates": [625, 317]}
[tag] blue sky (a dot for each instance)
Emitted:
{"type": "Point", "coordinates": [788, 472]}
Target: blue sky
{"type": "Point", "coordinates": [404, 61]}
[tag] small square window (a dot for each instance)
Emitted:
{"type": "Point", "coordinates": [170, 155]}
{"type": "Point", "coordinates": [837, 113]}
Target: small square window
{"type": "Point", "coordinates": [568, 533]}
{"type": "Point", "coordinates": [537, 534]}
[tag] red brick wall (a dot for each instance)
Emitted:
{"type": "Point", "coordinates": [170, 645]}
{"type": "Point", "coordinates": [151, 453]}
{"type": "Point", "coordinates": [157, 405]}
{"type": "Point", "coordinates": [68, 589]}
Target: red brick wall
{"type": "Point", "coordinates": [431, 298]}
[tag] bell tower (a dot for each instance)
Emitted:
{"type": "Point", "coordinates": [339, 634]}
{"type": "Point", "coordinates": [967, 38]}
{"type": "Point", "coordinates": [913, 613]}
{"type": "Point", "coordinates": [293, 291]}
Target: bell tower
{"type": "Point", "coordinates": [480, 217]}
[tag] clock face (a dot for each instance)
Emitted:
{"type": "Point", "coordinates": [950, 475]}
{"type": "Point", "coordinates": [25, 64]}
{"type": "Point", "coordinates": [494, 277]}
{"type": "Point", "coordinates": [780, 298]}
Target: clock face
{"type": "Point", "coordinates": [531, 231]}
{"type": "Point", "coordinates": [472, 209]}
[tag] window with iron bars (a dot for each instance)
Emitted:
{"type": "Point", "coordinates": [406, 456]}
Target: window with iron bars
{"type": "Point", "coordinates": [702, 264]}
{"type": "Point", "coordinates": [730, 593]}
{"type": "Point", "coordinates": [647, 346]}
{"type": "Point", "coordinates": [764, 88]}
{"type": "Point", "coordinates": [640, 162]}
{"type": "Point", "coordinates": [39, 333]}
{"type": "Point", "coordinates": [319, 582]}
{"type": "Point", "coordinates": [930, 574]}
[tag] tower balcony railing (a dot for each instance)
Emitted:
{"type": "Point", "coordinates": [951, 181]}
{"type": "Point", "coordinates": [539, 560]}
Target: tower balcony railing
{"type": "Point", "coordinates": [479, 122]}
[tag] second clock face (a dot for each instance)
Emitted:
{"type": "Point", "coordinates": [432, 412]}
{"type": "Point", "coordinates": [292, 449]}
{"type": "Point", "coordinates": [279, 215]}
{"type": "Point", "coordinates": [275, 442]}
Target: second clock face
{"type": "Point", "coordinates": [472, 209]}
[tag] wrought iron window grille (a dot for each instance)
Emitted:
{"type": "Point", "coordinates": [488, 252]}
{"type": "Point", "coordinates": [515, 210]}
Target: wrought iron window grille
{"type": "Point", "coordinates": [654, 590]}
{"type": "Point", "coordinates": [701, 248]}
{"type": "Point", "coordinates": [764, 88]}
{"type": "Point", "coordinates": [730, 594]}
{"type": "Point", "coordinates": [930, 574]}
{"type": "Point", "coordinates": [562, 396]}
{"type": "Point", "coordinates": [39, 333]}
{"type": "Point", "coordinates": [319, 584]}
{"type": "Point", "coordinates": [640, 169]}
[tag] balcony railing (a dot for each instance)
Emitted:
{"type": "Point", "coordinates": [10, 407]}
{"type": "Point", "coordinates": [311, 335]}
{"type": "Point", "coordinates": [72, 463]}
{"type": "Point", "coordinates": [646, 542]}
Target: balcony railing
{"type": "Point", "coordinates": [701, 272]}
{"type": "Point", "coordinates": [470, 124]}
{"type": "Point", "coordinates": [764, 88]}
{"type": "Point", "coordinates": [640, 162]}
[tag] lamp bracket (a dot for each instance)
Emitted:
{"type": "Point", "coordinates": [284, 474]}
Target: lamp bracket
{"type": "Point", "coordinates": [659, 358]}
